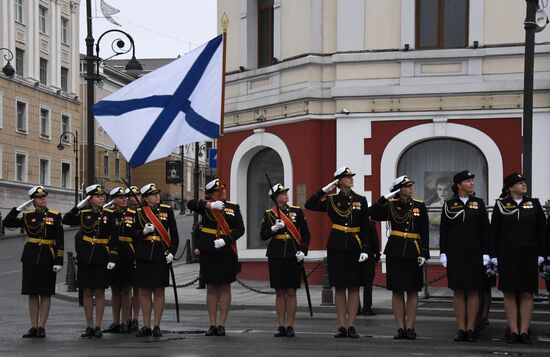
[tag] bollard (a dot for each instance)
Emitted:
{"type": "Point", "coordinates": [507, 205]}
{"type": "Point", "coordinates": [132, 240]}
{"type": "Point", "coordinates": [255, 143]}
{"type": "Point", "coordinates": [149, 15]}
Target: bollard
{"type": "Point", "coordinates": [327, 297]}
{"type": "Point", "coordinates": [70, 279]}
{"type": "Point", "coordinates": [188, 259]}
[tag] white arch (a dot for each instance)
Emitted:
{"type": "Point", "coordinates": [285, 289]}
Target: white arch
{"type": "Point", "coordinates": [407, 138]}
{"type": "Point", "coordinates": [239, 168]}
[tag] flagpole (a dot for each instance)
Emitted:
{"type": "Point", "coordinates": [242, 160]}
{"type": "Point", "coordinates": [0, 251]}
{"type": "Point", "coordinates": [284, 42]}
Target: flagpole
{"type": "Point", "coordinates": [225, 24]}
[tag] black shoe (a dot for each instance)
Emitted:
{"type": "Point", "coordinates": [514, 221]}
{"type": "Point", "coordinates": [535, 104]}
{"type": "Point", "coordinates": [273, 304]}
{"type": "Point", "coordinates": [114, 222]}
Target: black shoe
{"type": "Point", "coordinates": [400, 335]}
{"type": "Point", "coordinates": [97, 332]}
{"type": "Point", "coordinates": [523, 338]}
{"type": "Point", "coordinates": [411, 334]}
{"type": "Point", "coordinates": [341, 332]}
{"type": "Point", "coordinates": [513, 338]}
{"type": "Point", "coordinates": [281, 332]}
{"type": "Point", "coordinates": [123, 328]}
{"type": "Point", "coordinates": [144, 332]}
{"type": "Point", "coordinates": [352, 333]}
{"type": "Point", "coordinates": [31, 333]}
{"type": "Point", "coordinates": [114, 328]}
{"type": "Point", "coordinates": [471, 336]}
{"type": "Point", "coordinates": [212, 331]}
{"type": "Point", "coordinates": [460, 336]}
{"type": "Point", "coordinates": [290, 331]}
{"type": "Point", "coordinates": [157, 332]}
{"type": "Point", "coordinates": [221, 331]}
{"type": "Point", "coordinates": [88, 333]}
{"type": "Point", "coordinates": [41, 332]}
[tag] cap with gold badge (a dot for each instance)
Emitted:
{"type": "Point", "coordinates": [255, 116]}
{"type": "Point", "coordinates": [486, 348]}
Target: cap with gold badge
{"type": "Point", "coordinates": [343, 172]}
{"type": "Point", "coordinates": [95, 189]}
{"type": "Point", "coordinates": [277, 189]}
{"type": "Point", "coordinates": [37, 191]}
{"type": "Point", "coordinates": [149, 189]}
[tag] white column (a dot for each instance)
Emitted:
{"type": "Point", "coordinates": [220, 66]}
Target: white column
{"type": "Point", "coordinates": [32, 55]}
{"type": "Point", "coordinates": [350, 25]}
{"type": "Point", "coordinates": [55, 44]}
{"type": "Point", "coordinates": [408, 15]}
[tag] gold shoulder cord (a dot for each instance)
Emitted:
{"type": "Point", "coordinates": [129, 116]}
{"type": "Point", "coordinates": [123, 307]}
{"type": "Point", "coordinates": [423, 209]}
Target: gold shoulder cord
{"type": "Point", "coordinates": [89, 229]}
{"type": "Point", "coordinates": [453, 215]}
{"type": "Point", "coordinates": [506, 212]}
{"type": "Point", "coordinates": [36, 229]}
{"type": "Point", "coordinates": [395, 215]}
{"type": "Point", "coordinates": [344, 214]}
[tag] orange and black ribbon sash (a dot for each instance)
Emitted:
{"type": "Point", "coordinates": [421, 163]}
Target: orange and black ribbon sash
{"type": "Point", "coordinates": [289, 225]}
{"type": "Point", "coordinates": [224, 226]}
{"type": "Point", "coordinates": [158, 226]}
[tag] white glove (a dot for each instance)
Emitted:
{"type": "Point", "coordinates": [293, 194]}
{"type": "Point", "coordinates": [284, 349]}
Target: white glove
{"type": "Point", "coordinates": [25, 204]}
{"type": "Point", "coordinates": [278, 225]}
{"type": "Point", "coordinates": [219, 205]}
{"type": "Point", "coordinates": [300, 256]}
{"type": "Point", "coordinates": [57, 268]}
{"type": "Point", "coordinates": [82, 203]}
{"type": "Point", "coordinates": [149, 228]}
{"type": "Point", "coordinates": [110, 266]}
{"type": "Point", "coordinates": [219, 243]}
{"type": "Point", "coordinates": [363, 257]}
{"type": "Point", "coordinates": [331, 186]}
{"type": "Point", "coordinates": [443, 259]}
{"type": "Point", "coordinates": [391, 194]}
{"type": "Point", "coordinates": [421, 261]}
{"type": "Point", "coordinates": [169, 258]}
{"type": "Point", "coordinates": [494, 261]}
{"type": "Point", "coordinates": [541, 260]}
{"type": "Point", "coordinates": [486, 260]}
{"type": "Point", "coordinates": [108, 204]}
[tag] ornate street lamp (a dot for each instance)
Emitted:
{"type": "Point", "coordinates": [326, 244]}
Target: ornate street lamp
{"type": "Point", "coordinates": [8, 69]}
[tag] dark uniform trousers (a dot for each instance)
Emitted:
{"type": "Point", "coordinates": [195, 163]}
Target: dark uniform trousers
{"type": "Point", "coordinates": [43, 249]}
{"type": "Point", "coordinates": [152, 271]}
{"type": "Point", "coordinates": [348, 236]}
{"type": "Point", "coordinates": [285, 271]}
{"type": "Point", "coordinates": [218, 266]}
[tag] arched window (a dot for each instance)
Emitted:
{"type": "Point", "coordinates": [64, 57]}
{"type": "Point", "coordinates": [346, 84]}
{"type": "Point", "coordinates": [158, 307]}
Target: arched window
{"type": "Point", "coordinates": [432, 165]}
{"type": "Point", "coordinates": [264, 162]}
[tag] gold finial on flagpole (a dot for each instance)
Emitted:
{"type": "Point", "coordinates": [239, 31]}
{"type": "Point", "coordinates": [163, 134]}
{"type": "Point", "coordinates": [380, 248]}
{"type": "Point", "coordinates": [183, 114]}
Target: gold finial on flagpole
{"type": "Point", "coordinates": [225, 22]}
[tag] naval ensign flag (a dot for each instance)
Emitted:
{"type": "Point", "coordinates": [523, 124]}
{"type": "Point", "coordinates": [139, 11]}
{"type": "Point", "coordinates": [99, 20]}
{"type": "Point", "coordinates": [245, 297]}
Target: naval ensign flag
{"type": "Point", "coordinates": [174, 105]}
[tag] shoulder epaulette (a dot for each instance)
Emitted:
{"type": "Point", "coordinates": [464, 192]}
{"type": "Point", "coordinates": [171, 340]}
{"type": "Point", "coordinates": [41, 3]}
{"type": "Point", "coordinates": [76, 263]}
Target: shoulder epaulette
{"type": "Point", "coordinates": [29, 211]}
{"type": "Point", "coordinates": [393, 199]}
{"type": "Point", "coordinates": [233, 203]}
{"type": "Point", "coordinates": [53, 212]}
{"type": "Point", "coordinates": [500, 199]}
{"type": "Point", "coordinates": [138, 209]}
{"type": "Point", "coordinates": [86, 210]}
{"type": "Point", "coordinates": [298, 207]}
{"type": "Point", "coordinates": [419, 201]}
{"type": "Point", "coordinates": [108, 210]}
{"type": "Point", "coordinates": [268, 210]}
{"type": "Point", "coordinates": [332, 194]}
{"type": "Point", "coordinates": [130, 210]}
{"type": "Point", "coordinates": [167, 206]}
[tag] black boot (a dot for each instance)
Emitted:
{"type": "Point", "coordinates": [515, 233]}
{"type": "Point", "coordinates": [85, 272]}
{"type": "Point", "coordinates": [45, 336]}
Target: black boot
{"type": "Point", "coordinates": [411, 334]}
{"type": "Point", "coordinates": [41, 332]}
{"type": "Point", "coordinates": [460, 336]}
{"type": "Point", "coordinates": [352, 333]}
{"type": "Point", "coordinates": [31, 333]}
{"type": "Point", "coordinates": [157, 331]}
{"type": "Point", "coordinates": [221, 330]}
{"type": "Point", "coordinates": [212, 331]}
{"type": "Point", "coordinates": [97, 332]}
{"type": "Point", "coordinates": [341, 332]}
{"type": "Point", "coordinates": [281, 332]}
{"type": "Point", "coordinates": [290, 331]}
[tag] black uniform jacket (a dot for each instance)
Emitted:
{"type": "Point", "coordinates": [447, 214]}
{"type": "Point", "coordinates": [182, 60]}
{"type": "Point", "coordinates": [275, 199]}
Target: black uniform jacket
{"type": "Point", "coordinates": [39, 224]}
{"type": "Point", "coordinates": [404, 218]}
{"type": "Point", "coordinates": [155, 249]}
{"type": "Point", "coordinates": [97, 240]}
{"type": "Point", "coordinates": [514, 225]}
{"type": "Point", "coordinates": [232, 214]}
{"type": "Point", "coordinates": [285, 248]}
{"type": "Point", "coordinates": [127, 228]}
{"type": "Point", "coordinates": [344, 210]}
{"type": "Point", "coordinates": [464, 226]}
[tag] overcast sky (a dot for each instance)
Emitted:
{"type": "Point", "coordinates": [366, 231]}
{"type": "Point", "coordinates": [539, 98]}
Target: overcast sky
{"type": "Point", "coordinates": [160, 28]}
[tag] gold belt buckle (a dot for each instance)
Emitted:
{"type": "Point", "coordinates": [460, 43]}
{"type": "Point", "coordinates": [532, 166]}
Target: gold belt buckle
{"type": "Point", "coordinates": [345, 229]}
{"type": "Point", "coordinates": [405, 234]}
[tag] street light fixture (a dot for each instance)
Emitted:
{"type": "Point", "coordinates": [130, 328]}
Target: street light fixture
{"type": "Point", "coordinates": [133, 68]}
{"type": "Point", "coordinates": [8, 69]}
{"type": "Point", "coordinates": [60, 146]}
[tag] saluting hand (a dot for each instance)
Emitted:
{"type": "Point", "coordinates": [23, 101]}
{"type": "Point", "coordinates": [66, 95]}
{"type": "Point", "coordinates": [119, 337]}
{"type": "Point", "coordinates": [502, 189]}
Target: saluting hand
{"type": "Point", "coordinates": [57, 268]}
{"type": "Point", "coordinates": [217, 205]}
{"type": "Point", "coordinates": [82, 203]}
{"type": "Point", "coordinates": [25, 204]}
{"type": "Point", "coordinates": [331, 186]}
{"type": "Point", "coordinates": [486, 260]}
{"type": "Point", "coordinates": [391, 194]}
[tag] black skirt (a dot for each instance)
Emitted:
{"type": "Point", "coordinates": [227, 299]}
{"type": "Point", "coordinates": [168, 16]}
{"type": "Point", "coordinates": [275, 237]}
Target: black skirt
{"type": "Point", "coordinates": [151, 274]}
{"type": "Point", "coordinates": [403, 275]}
{"type": "Point", "coordinates": [218, 269]}
{"type": "Point", "coordinates": [284, 273]}
{"type": "Point", "coordinates": [344, 269]}
{"type": "Point", "coordinates": [518, 269]}
{"type": "Point", "coordinates": [465, 271]}
{"type": "Point", "coordinates": [92, 276]}
{"type": "Point", "coordinates": [122, 274]}
{"type": "Point", "coordinates": [38, 280]}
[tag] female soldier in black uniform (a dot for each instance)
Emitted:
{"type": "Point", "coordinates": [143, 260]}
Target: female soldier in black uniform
{"type": "Point", "coordinates": [154, 257]}
{"type": "Point", "coordinates": [133, 204]}
{"type": "Point", "coordinates": [285, 252]}
{"type": "Point", "coordinates": [347, 245]}
{"type": "Point", "coordinates": [95, 245]}
{"type": "Point", "coordinates": [406, 250]}
{"type": "Point", "coordinates": [218, 250]}
{"type": "Point", "coordinates": [464, 245]}
{"type": "Point", "coordinates": [42, 255]}
{"type": "Point", "coordinates": [517, 244]}
{"type": "Point", "coordinates": [121, 277]}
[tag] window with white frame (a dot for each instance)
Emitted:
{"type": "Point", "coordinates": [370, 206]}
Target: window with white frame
{"type": "Point", "coordinates": [64, 31]}
{"type": "Point", "coordinates": [65, 175]}
{"type": "Point", "coordinates": [43, 71]}
{"type": "Point", "coordinates": [106, 164]}
{"type": "Point", "coordinates": [19, 61]}
{"type": "Point", "coordinates": [44, 171]}
{"type": "Point", "coordinates": [20, 166]}
{"type": "Point", "coordinates": [65, 127]}
{"type": "Point", "coordinates": [44, 123]}
{"type": "Point", "coordinates": [42, 19]}
{"type": "Point", "coordinates": [65, 79]}
{"type": "Point", "coordinates": [19, 11]}
{"type": "Point", "coordinates": [21, 116]}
